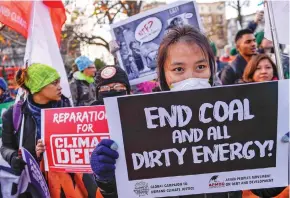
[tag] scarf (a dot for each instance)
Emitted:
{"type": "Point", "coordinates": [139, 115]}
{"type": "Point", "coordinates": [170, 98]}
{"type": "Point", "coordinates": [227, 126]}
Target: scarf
{"type": "Point", "coordinates": [35, 110]}
{"type": "Point", "coordinates": [80, 76]}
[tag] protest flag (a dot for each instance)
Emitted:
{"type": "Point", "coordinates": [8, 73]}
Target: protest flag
{"type": "Point", "coordinates": [17, 15]}
{"type": "Point", "coordinates": [280, 10]}
{"type": "Point", "coordinates": [40, 22]}
{"type": "Point", "coordinates": [277, 28]}
{"type": "Point", "coordinates": [47, 19]}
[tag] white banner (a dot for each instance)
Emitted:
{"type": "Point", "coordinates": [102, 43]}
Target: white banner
{"type": "Point", "coordinates": [42, 45]}
{"type": "Point", "coordinates": [281, 13]}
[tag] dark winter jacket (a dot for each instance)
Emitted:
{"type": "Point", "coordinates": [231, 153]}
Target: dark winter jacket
{"type": "Point", "coordinates": [233, 72]}
{"type": "Point", "coordinates": [252, 25]}
{"type": "Point", "coordinates": [83, 93]}
{"type": "Point", "coordinates": [10, 138]}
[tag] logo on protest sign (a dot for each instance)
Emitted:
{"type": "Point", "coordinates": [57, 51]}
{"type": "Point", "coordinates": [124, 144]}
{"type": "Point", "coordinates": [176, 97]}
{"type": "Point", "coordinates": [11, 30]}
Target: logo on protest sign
{"type": "Point", "coordinates": [141, 189]}
{"type": "Point", "coordinates": [148, 30]}
{"type": "Point", "coordinates": [71, 134]}
{"type": "Point", "coordinates": [215, 182]}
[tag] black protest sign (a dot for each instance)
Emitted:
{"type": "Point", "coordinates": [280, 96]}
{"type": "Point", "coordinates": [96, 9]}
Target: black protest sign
{"type": "Point", "coordinates": [202, 131]}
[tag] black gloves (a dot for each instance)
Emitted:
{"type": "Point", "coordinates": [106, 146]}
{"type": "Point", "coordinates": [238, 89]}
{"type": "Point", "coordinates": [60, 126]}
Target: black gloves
{"type": "Point", "coordinates": [17, 164]}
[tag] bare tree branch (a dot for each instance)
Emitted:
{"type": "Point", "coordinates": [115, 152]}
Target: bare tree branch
{"type": "Point", "coordinates": [233, 5]}
{"type": "Point", "coordinates": [140, 5]}
{"type": "Point", "coordinates": [92, 40]}
{"type": "Point", "coordinates": [246, 3]}
{"type": "Point", "coordinates": [116, 13]}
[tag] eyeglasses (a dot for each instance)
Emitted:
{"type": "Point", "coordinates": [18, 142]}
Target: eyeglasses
{"type": "Point", "coordinates": [116, 87]}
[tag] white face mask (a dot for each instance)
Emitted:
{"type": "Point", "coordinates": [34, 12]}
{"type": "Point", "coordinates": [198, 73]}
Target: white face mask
{"type": "Point", "coordinates": [190, 84]}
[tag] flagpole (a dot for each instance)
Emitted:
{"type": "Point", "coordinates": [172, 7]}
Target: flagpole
{"type": "Point", "coordinates": [275, 40]}
{"type": "Point", "coordinates": [27, 62]}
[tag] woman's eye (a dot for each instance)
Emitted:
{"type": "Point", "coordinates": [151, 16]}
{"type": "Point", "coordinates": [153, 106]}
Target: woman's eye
{"type": "Point", "coordinates": [55, 82]}
{"type": "Point", "coordinates": [201, 67]}
{"type": "Point", "coordinates": [178, 69]}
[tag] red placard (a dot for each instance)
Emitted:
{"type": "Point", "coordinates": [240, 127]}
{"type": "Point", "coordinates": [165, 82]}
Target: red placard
{"type": "Point", "coordinates": [70, 135]}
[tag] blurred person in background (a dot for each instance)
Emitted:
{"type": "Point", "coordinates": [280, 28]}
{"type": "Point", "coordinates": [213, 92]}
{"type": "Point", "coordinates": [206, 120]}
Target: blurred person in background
{"type": "Point", "coordinates": [247, 47]}
{"type": "Point", "coordinates": [42, 84]}
{"type": "Point", "coordinates": [259, 18]}
{"type": "Point", "coordinates": [261, 68]}
{"type": "Point", "coordinates": [111, 81]}
{"type": "Point", "coordinates": [233, 54]}
{"type": "Point", "coordinates": [82, 85]}
{"type": "Point", "coordinates": [226, 57]}
{"type": "Point", "coordinates": [5, 95]}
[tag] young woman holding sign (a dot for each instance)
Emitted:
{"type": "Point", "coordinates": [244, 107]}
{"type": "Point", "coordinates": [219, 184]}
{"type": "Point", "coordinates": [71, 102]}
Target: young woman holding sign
{"type": "Point", "coordinates": [185, 62]}
{"type": "Point", "coordinates": [42, 83]}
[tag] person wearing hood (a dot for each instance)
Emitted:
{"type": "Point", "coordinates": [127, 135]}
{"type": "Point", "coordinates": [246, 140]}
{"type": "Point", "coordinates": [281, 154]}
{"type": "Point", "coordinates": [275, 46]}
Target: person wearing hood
{"type": "Point", "coordinates": [4, 92]}
{"type": "Point", "coordinates": [185, 62]}
{"type": "Point", "coordinates": [111, 81]}
{"type": "Point", "coordinates": [82, 85]}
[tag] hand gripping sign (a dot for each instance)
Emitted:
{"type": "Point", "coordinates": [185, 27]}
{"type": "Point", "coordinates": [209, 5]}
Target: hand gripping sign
{"type": "Point", "coordinates": [70, 136]}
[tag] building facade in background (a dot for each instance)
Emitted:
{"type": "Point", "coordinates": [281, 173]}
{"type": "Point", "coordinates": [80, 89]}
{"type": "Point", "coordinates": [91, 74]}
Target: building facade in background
{"type": "Point", "coordinates": [213, 17]}
{"type": "Point", "coordinates": [149, 6]}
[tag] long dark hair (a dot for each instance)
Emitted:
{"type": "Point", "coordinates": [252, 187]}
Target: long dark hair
{"type": "Point", "coordinates": [20, 77]}
{"type": "Point", "coordinates": [189, 35]}
{"type": "Point", "coordinates": [253, 64]}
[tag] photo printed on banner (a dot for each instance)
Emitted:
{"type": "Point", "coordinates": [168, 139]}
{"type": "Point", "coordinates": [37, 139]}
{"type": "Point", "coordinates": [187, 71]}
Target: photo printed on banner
{"type": "Point", "coordinates": [139, 37]}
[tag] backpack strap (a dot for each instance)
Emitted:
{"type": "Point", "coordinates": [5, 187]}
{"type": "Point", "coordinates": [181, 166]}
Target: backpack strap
{"type": "Point", "coordinates": [17, 115]}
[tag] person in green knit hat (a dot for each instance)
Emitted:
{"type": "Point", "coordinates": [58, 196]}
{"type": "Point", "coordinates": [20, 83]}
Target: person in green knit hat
{"type": "Point", "coordinates": [42, 85]}
{"type": "Point", "coordinates": [265, 46]}
{"type": "Point", "coordinates": [82, 85]}
{"type": "Point", "coordinates": [233, 54]}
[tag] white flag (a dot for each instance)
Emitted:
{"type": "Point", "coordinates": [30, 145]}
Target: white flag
{"type": "Point", "coordinates": [281, 12]}
{"type": "Point", "coordinates": [42, 46]}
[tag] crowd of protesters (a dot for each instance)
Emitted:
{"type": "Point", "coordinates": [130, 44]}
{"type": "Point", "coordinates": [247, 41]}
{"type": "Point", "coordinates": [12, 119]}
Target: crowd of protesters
{"type": "Point", "coordinates": [186, 60]}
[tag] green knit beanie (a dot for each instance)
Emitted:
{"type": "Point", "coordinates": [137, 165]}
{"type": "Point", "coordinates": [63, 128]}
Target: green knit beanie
{"type": "Point", "coordinates": [259, 37]}
{"type": "Point", "coordinates": [40, 75]}
{"type": "Point", "coordinates": [213, 47]}
{"type": "Point", "coordinates": [233, 52]}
